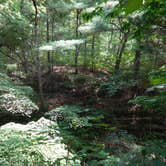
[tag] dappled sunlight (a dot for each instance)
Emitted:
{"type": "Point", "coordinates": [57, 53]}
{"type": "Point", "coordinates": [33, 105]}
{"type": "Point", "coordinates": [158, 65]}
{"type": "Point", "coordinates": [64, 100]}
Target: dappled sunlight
{"type": "Point", "coordinates": [82, 83]}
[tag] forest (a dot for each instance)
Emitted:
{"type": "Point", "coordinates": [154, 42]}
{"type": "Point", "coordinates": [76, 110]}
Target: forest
{"type": "Point", "coordinates": [82, 82]}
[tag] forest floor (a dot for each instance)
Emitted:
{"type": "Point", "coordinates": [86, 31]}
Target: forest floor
{"type": "Point", "coordinates": [63, 87]}
{"type": "Point", "coordinates": [112, 123]}
{"type": "Point", "coordinates": [73, 94]}
{"type": "Point", "coordinates": [61, 69]}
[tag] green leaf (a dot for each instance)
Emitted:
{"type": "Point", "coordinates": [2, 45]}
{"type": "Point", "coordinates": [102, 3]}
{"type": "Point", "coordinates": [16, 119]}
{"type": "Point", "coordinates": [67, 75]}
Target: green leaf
{"type": "Point", "coordinates": [132, 6]}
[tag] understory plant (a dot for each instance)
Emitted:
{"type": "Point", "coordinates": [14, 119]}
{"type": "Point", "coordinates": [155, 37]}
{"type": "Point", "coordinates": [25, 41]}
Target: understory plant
{"type": "Point", "coordinates": [80, 129]}
{"type": "Point", "coordinates": [94, 142]}
{"type": "Point", "coordinates": [18, 150]}
{"type": "Point", "coordinates": [117, 83]}
{"type": "Point", "coordinates": [155, 98]}
{"type": "Point", "coordinates": [16, 99]}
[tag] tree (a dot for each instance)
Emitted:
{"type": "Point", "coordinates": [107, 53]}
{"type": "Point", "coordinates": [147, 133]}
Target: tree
{"type": "Point", "coordinates": [37, 59]}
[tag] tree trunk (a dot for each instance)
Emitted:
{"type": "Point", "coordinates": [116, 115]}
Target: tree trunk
{"type": "Point", "coordinates": [37, 59]}
{"type": "Point", "coordinates": [77, 35]}
{"type": "Point", "coordinates": [76, 59]}
{"type": "Point", "coordinates": [25, 65]}
{"type": "Point", "coordinates": [137, 60]}
{"type": "Point", "coordinates": [48, 39]}
{"type": "Point", "coordinates": [109, 42]}
{"type": "Point", "coordinates": [85, 54]}
{"type": "Point", "coordinates": [93, 53]}
{"type": "Point", "coordinates": [52, 39]}
{"type": "Point", "coordinates": [120, 52]}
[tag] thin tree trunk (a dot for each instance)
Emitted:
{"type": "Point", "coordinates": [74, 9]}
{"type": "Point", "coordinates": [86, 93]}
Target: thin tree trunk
{"type": "Point", "coordinates": [109, 42]}
{"type": "Point", "coordinates": [93, 53]}
{"type": "Point", "coordinates": [37, 59]}
{"type": "Point", "coordinates": [52, 39]}
{"type": "Point", "coordinates": [120, 52]}
{"type": "Point", "coordinates": [25, 65]}
{"type": "Point", "coordinates": [137, 60]}
{"type": "Point", "coordinates": [77, 35]}
{"type": "Point", "coordinates": [76, 59]}
{"type": "Point", "coordinates": [48, 39]}
{"type": "Point", "coordinates": [85, 53]}
{"type": "Point", "coordinates": [156, 57]}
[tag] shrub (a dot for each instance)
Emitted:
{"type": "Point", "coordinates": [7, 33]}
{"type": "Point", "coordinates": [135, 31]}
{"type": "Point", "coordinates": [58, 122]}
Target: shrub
{"type": "Point", "coordinates": [18, 150]}
{"type": "Point", "coordinates": [80, 128]}
{"type": "Point", "coordinates": [16, 99]}
{"type": "Point", "coordinates": [118, 82]}
{"type": "Point", "coordinates": [152, 103]}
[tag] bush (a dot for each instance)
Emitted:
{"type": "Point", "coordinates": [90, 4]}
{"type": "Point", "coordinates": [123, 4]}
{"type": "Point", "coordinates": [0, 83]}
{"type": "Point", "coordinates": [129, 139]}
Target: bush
{"type": "Point", "coordinates": [80, 128]}
{"type": "Point", "coordinates": [118, 82]}
{"type": "Point", "coordinates": [16, 99]}
{"type": "Point", "coordinates": [11, 67]}
{"type": "Point", "coordinates": [158, 77]}
{"type": "Point", "coordinates": [155, 101]}
{"type": "Point", "coordinates": [18, 150]}
{"type": "Point", "coordinates": [152, 104]}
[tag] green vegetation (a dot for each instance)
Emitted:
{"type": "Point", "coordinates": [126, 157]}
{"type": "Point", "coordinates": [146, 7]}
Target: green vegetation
{"type": "Point", "coordinates": [118, 82]}
{"type": "Point", "coordinates": [18, 150]}
{"type": "Point", "coordinates": [16, 99]}
{"type": "Point", "coordinates": [95, 69]}
{"type": "Point", "coordinates": [154, 102]}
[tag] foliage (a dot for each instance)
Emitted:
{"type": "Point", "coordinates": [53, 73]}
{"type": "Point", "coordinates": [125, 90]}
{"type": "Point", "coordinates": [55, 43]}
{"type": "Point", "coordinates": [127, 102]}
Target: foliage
{"type": "Point", "coordinates": [76, 117]}
{"type": "Point", "coordinates": [84, 80]}
{"type": "Point", "coordinates": [131, 6]}
{"type": "Point", "coordinates": [118, 82]}
{"type": "Point", "coordinates": [158, 77]}
{"type": "Point", "coordinates": [18, 150]}
{"type": "Point", "coordinates": [16, 99]}
{"type": "Point", "coordinates": [116, 148]}
{"type": "Point", "coordinates": [11, 67]}
{"type": "Point", "coordinates": [14, 28]}
{"type": "Point", "coordinates": [17, 105]}
{"type": "Point", "coordinates": [151, 152]}
{"type": "Point", "coordinates": [79, 128]}
{"type": "Point", "coordinates": [122, 35]}
{"type": "Point", "coordinates": [36, 142]}
{"type": "Point", "coordinates": [120, 142]}
{"type": "Point", "coordinates": [152, 104]}
{"type": "Point", "coordinates": [98, 24]}
{"type": "Point", "coordinates": [2, 62]}
{"type": "Point", "coordinates": [62, 44]}
{"type": "Point", "coordinates": [155, 102]}
{"type": "Point", "coordinates": [7, 86]}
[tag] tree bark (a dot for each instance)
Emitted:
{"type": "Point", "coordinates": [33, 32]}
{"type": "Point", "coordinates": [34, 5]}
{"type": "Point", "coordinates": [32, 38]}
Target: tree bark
{"type": "Point", "coordinates": [120, 52]}
{"type": "Point", "coordinates": [77, 35]}
{"type": "Point", "coordinates": [48, 39]}
{"type": "Point", "coordinates": [37, 59]}
{"type": "Point", "coordinates": [76, 59]}
{"type": "Point", "coordinates": [137, 60]}
{"type": "Point", "coordinates": [93, 53]}
{"type": "Point", "coordinates": [52, 39]}
{"type": "Point", "coordinates": [85, 54]}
